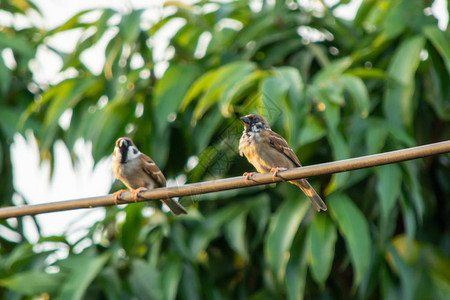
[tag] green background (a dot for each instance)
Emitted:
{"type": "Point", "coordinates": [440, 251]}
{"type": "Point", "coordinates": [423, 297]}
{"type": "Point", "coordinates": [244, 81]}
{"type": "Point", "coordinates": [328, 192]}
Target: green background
{"type": "Point", "coordinates": [377, 83]}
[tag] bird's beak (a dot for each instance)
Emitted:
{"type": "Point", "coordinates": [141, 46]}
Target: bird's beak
{"type": "Point", "coordinates": [121, 143]}
{"type": "Point", "coordinates": [246, 120]}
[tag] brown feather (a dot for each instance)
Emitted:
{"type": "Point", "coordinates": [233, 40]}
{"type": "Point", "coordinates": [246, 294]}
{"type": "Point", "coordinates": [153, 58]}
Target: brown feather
{"type": "Point", "coordinates": [153, 171]}
{"type": "Point", "coordinates": [142, 172]}
{"type": "Point", "coordinates": [309, 191]}
{"type": "Point", "coordinates": [267, 150]}
{"type": "Point", "coordinates": [158, 177]}
{"type": "Point", "coordinates": [280, 144]}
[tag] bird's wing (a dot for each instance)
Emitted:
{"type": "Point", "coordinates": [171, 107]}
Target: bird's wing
{"type": "Point", "coordinates": [280, 144]}
{"type": "Point", "coordinates": [152, 169]}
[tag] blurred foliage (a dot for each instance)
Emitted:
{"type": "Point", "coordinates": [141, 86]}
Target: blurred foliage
{"type": "Point", "coordinates": [334, 88]}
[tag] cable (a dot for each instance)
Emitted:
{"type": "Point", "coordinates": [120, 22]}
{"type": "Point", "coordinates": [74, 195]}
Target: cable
{"type": "Point", "coordinates": [235, 182]}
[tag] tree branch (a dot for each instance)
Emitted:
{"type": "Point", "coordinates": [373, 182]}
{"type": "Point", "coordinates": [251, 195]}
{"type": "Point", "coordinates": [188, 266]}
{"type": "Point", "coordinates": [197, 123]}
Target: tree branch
{"type": "Point", "coordinates": [235, 182]}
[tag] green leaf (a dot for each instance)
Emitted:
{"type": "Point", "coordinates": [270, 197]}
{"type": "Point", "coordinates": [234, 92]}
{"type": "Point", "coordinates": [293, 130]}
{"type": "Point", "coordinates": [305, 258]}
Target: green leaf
{"type": "Point", "coordinates": [259, 27]}
{"type": "Point", "coordinates": [331, 114]}
{"type": "Point", "coordinates": [329, 94]}
{"type": "Point", "coordinates": [170, 277]}
{"type": "Point", "coordinates": [73, 23]}
{"type": "Point", "coordinates": [389, 290]}
{"type": "Point", "coordinates": [439, 263]}
{"type": "Point", "coordinates": [235, 234]}
{"type": "Point", "coordinates": [296, 106]}
{"type": "Point", "coordinates": [190, 283]}
{"type": "Point", "coordinates": [414, 187]}
{"type": "Point", "coordinates": [358, 90]}
{"type": "Point", "coordinates": [226, 77]}
{"type": "Point", "coordinates": [277, 54]}
{"type": "Point", "coordinates": [365, 73]}
{"type": "Point", "coordinates": [82, 270]}
{"type": "Point", "coordinates": [263, 294]}
{"type": "Point", "coordinates": [322, 237]}
{"type": "Point", "coordinates": [409, 219]}
{"type": "Point", "coordinates": [312, 131]}
{"type": "Point", "coordinates": [170, 90]}
{"type": "Point", "coordinates": [18, 43]}
{"type": "Point", "coordinates": [340, 151]}
{"type": "Point", "coordinates": [282, 230]}
{"type": "Point", "coordinates": [295, 83]}
{"type": "Point", "coordinates": [273, 91]}
{"type": "Point", "coordinates": [388, 188]}
{"type": "Point", "coordinates": [20, 256]}
{"type": "Point", "coordinates": [144, 280]}
{"type": "Point", "coordinates": [130, 228]}
{"type": "Point", "coordinates": [200, 85]}
{"type": "Point", "coordinates": [179, 238]}
{"type": "Point", "coordinates": [33, 283]}
{"type": "Point", "coordinates": [333, 69]}
{"type": "Point", "coordinates": [214, 83]}
{"type": "Point", "coordinates": [154, 238]}
{"type": "Point", "coordinates": [376, 136]}
{"type": "Point", "coordinates": [5, 78]}
{"type": "Point", "coordinates": [237, 91]}
{"type": "Point", "coordinates": [209, 229]}
{"type": "Point", "coordinates": [441, 285]}
{"type": "Point", "coordinates": [319, 53]}
{"type": "Point", "coordinates": [400, 135]}
{"type": "Point", "coordinates": [394, 22]}
{"type": "Point", "coordinates": [405, 60]}
{"type": "Point", "coordinates": [110, 282]}
{"type": "Point", "coordinates": [160, 147]}
{"type": "Point", "coordinates": [207, 128]}
{"type": "Point", "coordinates": [355, 231]}
{"type": "Point", "coordinates": [296, 271]}
{"type": "Point", "coordinates": [408, 277]}
{"type": "Point", "coordinates": [130, 26]}
{"type": "Point", "coordinates": [260, 215]}
{"type": "Point", "coordinates": [63, 96]}
{"type": "Point", "coordinates": [110, 122]}
{"type": "Point", "coordinates": [440, 41]}
{"type": "Point", "coordinates": [9, 119]}
{"type": "Point", "coordinates": [398, 102]}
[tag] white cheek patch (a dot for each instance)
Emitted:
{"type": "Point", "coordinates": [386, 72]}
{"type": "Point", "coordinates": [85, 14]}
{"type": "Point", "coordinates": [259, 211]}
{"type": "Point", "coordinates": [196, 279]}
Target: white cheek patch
{"type": "Point", "coordinates": [133, 153]}
{"type": "Point", "coordinates": [257, 127]}
{"type": "Point", "coordinates": [257, 137]}
{"type": "Point", "coordinates": [253, 136]}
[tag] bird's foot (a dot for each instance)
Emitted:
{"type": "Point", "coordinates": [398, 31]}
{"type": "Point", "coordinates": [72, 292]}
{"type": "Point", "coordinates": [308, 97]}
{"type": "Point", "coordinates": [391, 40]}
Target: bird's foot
{"type": "Point", "coordinates": [276, 170]}
{"type": "Point", "coordinates": [248, 175]}
{"type": "Point", "coordinates": [117, 196]}
{"type": "Point", "coordinates": [136, 193]}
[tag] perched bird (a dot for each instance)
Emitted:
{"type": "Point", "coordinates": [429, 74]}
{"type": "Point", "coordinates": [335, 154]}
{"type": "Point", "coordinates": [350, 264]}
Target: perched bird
{"type": "Point", "coordinates": [139, 173]}
{"type": "Point", "coordinates": [268, 151]}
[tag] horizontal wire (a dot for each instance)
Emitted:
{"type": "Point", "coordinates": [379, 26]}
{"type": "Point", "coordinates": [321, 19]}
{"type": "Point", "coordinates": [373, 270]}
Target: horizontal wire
{"type": "Point", "coordinates": [234, 182]}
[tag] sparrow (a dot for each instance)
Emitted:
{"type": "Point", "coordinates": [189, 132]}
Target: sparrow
{"type": "Point", "coordinates": [268, 151]}
{"type": "Point", "coordinates": [139, 173]}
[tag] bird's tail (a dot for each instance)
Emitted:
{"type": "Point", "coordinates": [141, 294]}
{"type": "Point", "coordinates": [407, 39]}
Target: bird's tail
{"type": "Point", "coordinates": [310, 193]}
{"type": "Point", "coordinates": [175, 207]}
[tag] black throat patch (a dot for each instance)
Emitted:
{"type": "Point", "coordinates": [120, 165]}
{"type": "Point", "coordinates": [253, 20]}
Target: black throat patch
{"type": "Point", "coordinates": [123, 154]}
